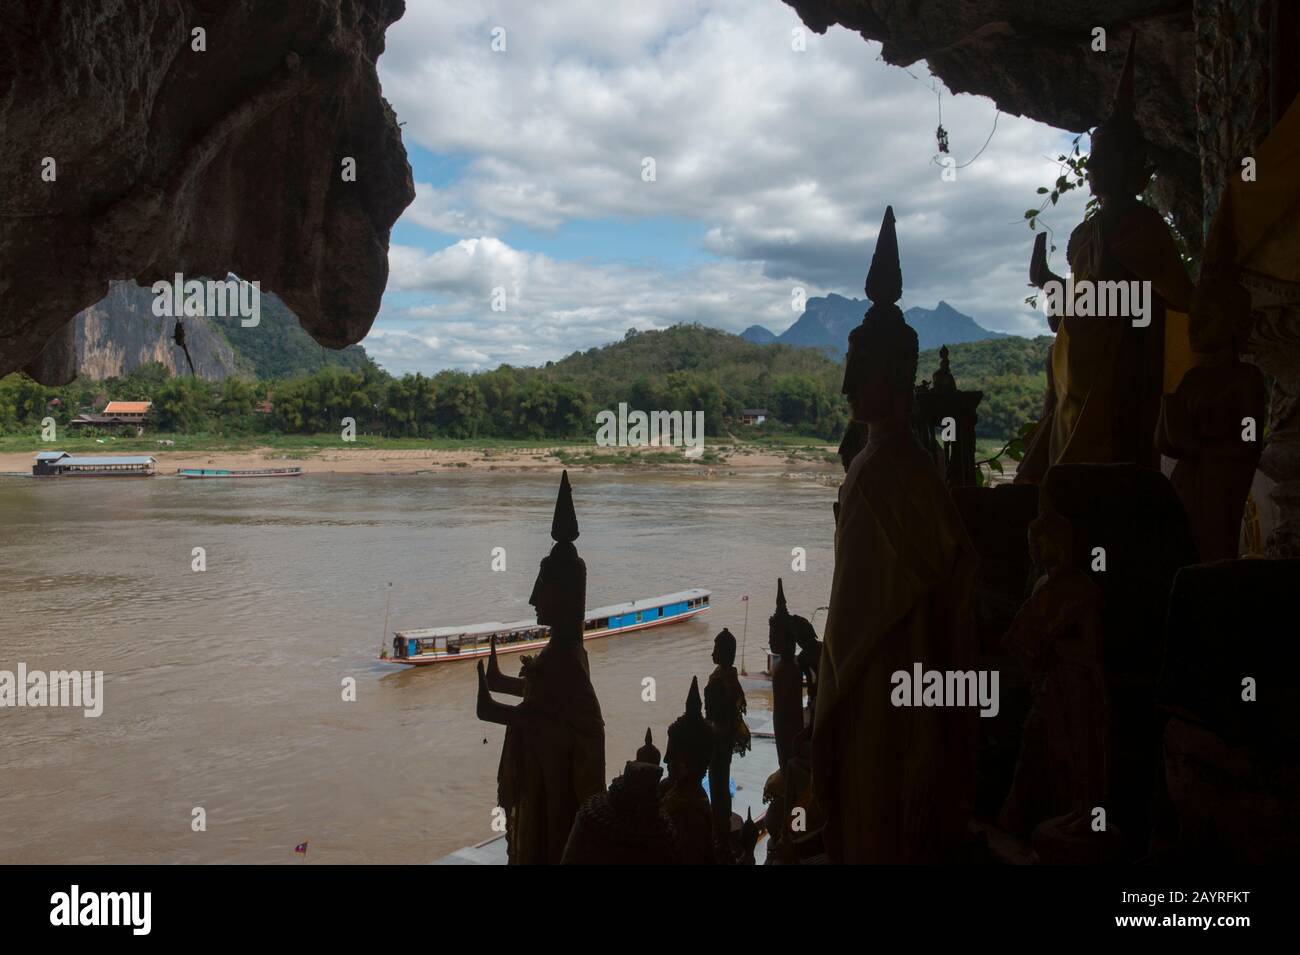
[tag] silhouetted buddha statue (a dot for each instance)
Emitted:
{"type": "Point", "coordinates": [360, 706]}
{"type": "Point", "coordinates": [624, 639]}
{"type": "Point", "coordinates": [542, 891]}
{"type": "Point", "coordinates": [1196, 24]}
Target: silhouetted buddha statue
{"type": "Point", "coordinates": [553, 756]}
{"type": "Point", "coordinates": [749, 832]}
{"type": "Point", "coordinates": [648, 753]}
{"type": "Point", "coordinates": [795, 654]}
{"type": "Point", "coordinates": [1203, 423]}
{"type": "Point", "coordinates": [787, 685]}
{"type": "Point", "coordinates": [895, 783]}
{"type": "Point", "coordinates": [1107, 374]}
{"type": "Point", "coordinates": [793, 818]}
{"type": "Point", "coordinates": [854, 440]}
{"type": "Point", "coordinates": [690, 747]}
{"type": "Point", "coordinates": [1065, 750]}
{"type": "Point", "coordinates": [724, 708]}
{"type": "Point", "coordinates": [625, 825]}
{"type": "Point", "coordinates": [808, 658]}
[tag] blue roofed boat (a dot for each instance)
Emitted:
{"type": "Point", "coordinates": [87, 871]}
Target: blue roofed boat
{"type": "Point", "coordinates": [441, 644]}
{"type": "Point", "coordinates": [228, 473]}
{"type": "Point", "coordinates": [56, 463]}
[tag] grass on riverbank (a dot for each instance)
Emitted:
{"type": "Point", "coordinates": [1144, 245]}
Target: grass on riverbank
{"type": "Point", "coordinates": [570, 450]}
{"type": "Point", "coordinates": [151, 442]}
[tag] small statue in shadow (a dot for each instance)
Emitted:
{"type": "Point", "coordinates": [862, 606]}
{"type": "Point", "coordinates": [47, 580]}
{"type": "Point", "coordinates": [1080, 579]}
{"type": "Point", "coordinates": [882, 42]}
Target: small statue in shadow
{"type": "Point", "coordinates": [1064, 764]}
{"type": "Point", "coordinates": [684, 802]}
{"type": "Point", "coordinates": [724, 708]}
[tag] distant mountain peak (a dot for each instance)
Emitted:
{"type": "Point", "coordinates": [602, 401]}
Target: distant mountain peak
{"type": "Point", "coordinates": [827, 320]}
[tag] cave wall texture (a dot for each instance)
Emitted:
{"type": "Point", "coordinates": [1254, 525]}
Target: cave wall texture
{"type": "Point", "coordinates": [1213, 78]}
{"type": "Point", "coordinates": [173, 160]}
{"type": "Point", "coordinates": [1033, 58]}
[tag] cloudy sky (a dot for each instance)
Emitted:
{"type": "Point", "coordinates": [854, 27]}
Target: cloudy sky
{"type": "Point", "coordinates": [772, 167]}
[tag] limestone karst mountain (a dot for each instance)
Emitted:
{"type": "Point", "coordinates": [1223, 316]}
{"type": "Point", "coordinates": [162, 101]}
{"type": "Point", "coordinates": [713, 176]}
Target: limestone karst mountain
{"type": "Point", "coordinates": [826, 322]}
{"type": "Point", "coordinates": [758, 335]}
{"type": "Point", "coordinates": [120, 333]}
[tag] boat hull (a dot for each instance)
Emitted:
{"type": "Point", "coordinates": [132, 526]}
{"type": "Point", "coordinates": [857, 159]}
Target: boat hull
{"type": "Point", "coordinates": [477, 652]}
{"type": "Point", "coordinates": [228, 475]}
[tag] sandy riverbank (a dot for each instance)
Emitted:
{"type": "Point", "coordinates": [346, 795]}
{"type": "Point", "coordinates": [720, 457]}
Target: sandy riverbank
{"type": "Point", "coordinates": [411, 461]}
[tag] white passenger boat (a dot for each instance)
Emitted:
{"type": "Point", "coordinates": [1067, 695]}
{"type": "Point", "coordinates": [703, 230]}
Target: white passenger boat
{"type": "Point", "coordinates": [441, 644]}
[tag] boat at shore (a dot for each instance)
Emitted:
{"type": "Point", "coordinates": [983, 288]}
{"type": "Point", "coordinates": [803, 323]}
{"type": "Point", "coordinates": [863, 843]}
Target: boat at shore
{"type": "Point", "coordinates": [228, 473]}
{"type": "Point", "coordinates": [442, 644]}
{"type": "Point", "coordinates": [61, 463]}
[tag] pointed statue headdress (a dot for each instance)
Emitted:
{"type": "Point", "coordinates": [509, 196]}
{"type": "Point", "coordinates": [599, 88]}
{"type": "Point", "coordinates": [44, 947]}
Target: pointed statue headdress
{"type": "Point", "coordinates": [1120, 130]}
{"type": "Point", "coordinates": [564, 522]}
{"type": "Point", "coordinates": [780, 631]}
{"type": "Point", "coordinates": [690, 737]}
{"type": "Point", "coordinates": [648, 753]}
{"type": "Point", "coordinates": [884, 339]}
{"type": "Point", "coordinates": [563, 573]}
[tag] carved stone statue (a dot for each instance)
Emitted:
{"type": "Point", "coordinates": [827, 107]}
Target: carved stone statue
{"type": "Point", "coordinates": [690, 747]}
{"type": "Point", "coordinates": [895, 784]}
{"type": "Point", "coordinates": [1213, 422]}
{"type": "Point", "coordinates": [787, 682]}
{"type": "Point", "coordinates": [553, 757]}
{"type": "Point", "coordinates": [1064, 764]}
{"type": "Point", "coordinates": [1108, 373]}
{"type": "Point", "coordinates": [724, 708]}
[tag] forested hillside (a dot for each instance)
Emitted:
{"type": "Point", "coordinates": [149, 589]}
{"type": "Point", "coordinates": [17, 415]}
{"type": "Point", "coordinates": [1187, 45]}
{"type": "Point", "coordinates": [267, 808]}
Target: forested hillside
{"type": "Point", "coordinates": [1012, 373]}
{"type": "Point", "coordinates": [683, 368]}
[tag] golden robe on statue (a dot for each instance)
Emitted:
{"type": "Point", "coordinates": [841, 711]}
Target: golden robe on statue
{"type": "Point", "coordinates": [1108, 375]}
{"type": "Point", "coordinates": [895, 783]}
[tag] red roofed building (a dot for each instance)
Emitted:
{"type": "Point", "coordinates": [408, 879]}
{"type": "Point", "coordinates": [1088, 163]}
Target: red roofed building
{"type": "Point", "coordinates": [116, 414]}
{"type": "Point", "coordinates": [128, 411]}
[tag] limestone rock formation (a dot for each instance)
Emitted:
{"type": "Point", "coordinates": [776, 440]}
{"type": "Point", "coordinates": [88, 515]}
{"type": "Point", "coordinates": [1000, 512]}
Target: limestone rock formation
{"type": "Point", "coordinates": [167, 158]}
{"type": "Point", "coordinates": [121, 333]}
{"type": "Point", "coordinates": [1034, 59]}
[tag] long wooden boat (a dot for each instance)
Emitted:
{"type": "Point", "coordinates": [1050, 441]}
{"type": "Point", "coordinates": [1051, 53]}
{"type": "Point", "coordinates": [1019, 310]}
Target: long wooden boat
{"type": "Point", "coordinates": [228, 473]}
{"type": "Point", "coordinates": [443, 644]}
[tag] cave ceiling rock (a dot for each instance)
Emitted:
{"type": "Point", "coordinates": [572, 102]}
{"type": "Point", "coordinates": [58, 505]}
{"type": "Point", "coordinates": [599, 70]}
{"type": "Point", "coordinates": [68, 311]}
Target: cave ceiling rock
{"type": "Point", "coordinates": [171, 160]}
{"type": "Point", "coordinates": [1034, 59]}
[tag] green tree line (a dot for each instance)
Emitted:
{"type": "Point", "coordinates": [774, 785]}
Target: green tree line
{"type": "Point", "coordinates": [683, 368]}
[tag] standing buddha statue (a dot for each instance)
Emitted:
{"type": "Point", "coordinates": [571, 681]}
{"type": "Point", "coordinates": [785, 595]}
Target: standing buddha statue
{"type": "Point", "coordinates": [1213, 422]}
{"type": "Point", "coordinates": [724, 708]}
{"type": "Point", "coordinates": [1107, 373]}
{"type": "Point", "coordinates": [787, 681]}
{"type": "Point", "coordinates": [895, 784]}
{"type": "Point", "coordinates": [553, 756]}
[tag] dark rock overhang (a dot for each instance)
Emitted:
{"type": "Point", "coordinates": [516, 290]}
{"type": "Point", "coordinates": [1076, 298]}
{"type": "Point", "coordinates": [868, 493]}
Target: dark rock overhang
{"type": "Point", "coordinates": [172, 160]}
{"type": "Point", "coordinates": [1035, 59]}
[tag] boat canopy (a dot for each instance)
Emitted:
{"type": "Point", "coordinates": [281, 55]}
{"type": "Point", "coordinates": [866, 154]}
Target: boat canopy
{"type": "Point", "coordinates": [480, 631]}
{"type": "Point", "coordinates": [472, 630]}
{"type": "Point", "coordinates": [630, 606]}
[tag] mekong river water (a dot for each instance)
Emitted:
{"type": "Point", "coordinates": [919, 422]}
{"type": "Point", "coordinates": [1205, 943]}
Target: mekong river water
{"type": "Point", "coordinates": [223, 689]}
